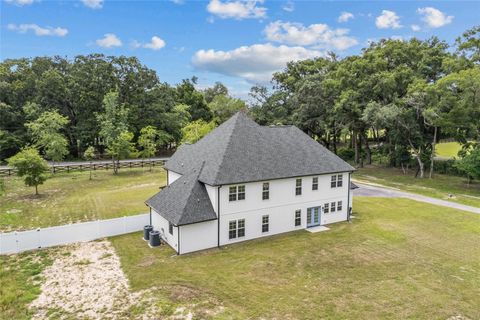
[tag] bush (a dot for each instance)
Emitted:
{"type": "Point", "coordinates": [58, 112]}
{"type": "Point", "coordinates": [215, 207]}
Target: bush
{"type": "Point", "coordinates": [447, 167]}
{"type": "Point", "coordinates": [346, 154]}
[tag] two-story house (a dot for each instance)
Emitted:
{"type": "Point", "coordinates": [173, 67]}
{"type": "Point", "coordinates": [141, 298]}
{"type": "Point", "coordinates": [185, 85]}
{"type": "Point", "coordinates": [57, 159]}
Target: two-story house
{"type": "Point", "coordinates": [244, 181]}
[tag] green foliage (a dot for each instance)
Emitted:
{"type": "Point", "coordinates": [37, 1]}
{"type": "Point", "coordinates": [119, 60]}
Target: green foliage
{"type": "Point", "coordinates": [31, 166]}
{"type": "Point", "coordinates": [346, 154]}
{"type": "Point", "coordinates": [148, 141]}
{"type": "Point", "coordinates": [89, 153]}
{"type": "Point", "coordinates": [45, 132]}
{"type": "Point", "coordinates": [188, 95]}
{"type": "Point", "coordinates": [196, 130]}
{"type": "Point", "coordinates": [470, 163]}
{"type": "Point", "coordinates": [114, 120]}
{"type": "Point", "coordinates": [122, 147]}
{"type": "Point", "coordinates": [223, 107]}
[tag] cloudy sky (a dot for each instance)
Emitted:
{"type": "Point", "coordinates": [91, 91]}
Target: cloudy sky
{"type": "Point", "coordinates": [238, 42]}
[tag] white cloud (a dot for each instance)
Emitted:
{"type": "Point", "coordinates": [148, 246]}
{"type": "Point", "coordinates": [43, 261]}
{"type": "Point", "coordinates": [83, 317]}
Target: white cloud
{"type": "Point", "coordinates": [109, 41]}
{"type": "Point", "coordinates": [415, 27]}
{"type": "Point", "coordinates": [155, 44]}
{"type": "Point", "coordinates": [239, 9]}
{"type": "Point", "coordinates": [94, 4]}
{"type": "Point", "coordinates": [255, 63]}
{"type": "Point", "coordinates": [319, 35]}
{"type": "Point", "coordinates": [434, 17]}
{"type": "Point", "coordinates": [20, 2]}
{"type": "Point", "coordinates": [289, 6]}
{"type": "Point", "coordinates": [388, 20]}
{"type": "Point", "coordinates": [39, 31]}
{"type": "Point", "coordinates": [345, 16]}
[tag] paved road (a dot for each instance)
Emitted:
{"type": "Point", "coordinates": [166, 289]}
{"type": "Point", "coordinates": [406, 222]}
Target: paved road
{"type": "Point", "coordinates": [368, 190]}
{"type": "Point", "coordinates": [77, 163]}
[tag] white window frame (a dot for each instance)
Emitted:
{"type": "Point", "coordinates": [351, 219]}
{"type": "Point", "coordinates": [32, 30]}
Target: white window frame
{"type": "Point", "coordinates": [298, 217]}
{"type": "Point", "coordinates": [265, 223]}
{"type": "Point", "coordinates": [266, 191]}
{"type": "Point", "coordinates": [298, 187]}
{"type": "Point", "coordinates": [314, 183]}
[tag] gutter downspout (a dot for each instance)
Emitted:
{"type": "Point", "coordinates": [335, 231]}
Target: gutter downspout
{"type": "Point", "coordinates": [348, 199]}
{"type": "Point", "coordinates": [150, 215]}
{"type": "Point", "coordinates": [178, 240]}
{"type": "Point", "coordinates": [218, 218]}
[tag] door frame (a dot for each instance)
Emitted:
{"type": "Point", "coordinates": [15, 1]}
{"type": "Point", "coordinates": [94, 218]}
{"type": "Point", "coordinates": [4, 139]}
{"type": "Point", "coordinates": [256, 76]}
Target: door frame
{"type": "Point", "coordinates": [311, 222]}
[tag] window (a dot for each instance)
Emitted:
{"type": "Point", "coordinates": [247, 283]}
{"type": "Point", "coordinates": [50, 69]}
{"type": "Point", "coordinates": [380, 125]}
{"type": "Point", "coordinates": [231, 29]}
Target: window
{"type": "Point", "coordinates": [236, 193]}
{"type": "Point", "coordinates": [233, 194]}
{"type": "Point", "coordinates": [265, 220]}
{"type": "Point", "coordinates": [170, 228]}
{"type": "Point", "coordinates": [332, 207]}
{"type": "Point", "coordinates": [298, 187]}
{"type": "Point", "coordinates": [325, 208]}
{"type": "Point", "coordinates": [315, 183]}
{"type": "Point", "coordinates": [241, 228]}
{"type": "Point", "coordinates": [241, 193]}
{"type": "Point", "coordinates": [339, 206]}
{"type": "Point", "coordinates": [232, 229]}
{"type": "Point", "coordinates": [339, 180]}
{"type": "Point", "coordinates": [266, 191]}
{"type": "Point", "coordinates": [333, 182]}
{"type": "Point", "coordinates": [298, 218]}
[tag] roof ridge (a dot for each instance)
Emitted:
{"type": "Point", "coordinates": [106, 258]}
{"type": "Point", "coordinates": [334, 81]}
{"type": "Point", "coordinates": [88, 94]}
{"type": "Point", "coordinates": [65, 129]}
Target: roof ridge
{"type": "Point", "coordinates": [229, 138]}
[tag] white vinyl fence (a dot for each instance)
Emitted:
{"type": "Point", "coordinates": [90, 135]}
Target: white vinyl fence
{"type": "Point", "coordinates": [14, 242]}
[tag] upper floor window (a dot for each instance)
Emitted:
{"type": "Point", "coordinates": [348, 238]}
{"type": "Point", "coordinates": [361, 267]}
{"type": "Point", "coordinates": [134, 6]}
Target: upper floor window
{"type": "Point", "coordinates": [265, 223]}
{"type": "Point", "coordinates": [336, 181]}
{"type": "Point", "coordinates": [298, 218]}
{"type": "Point", "coordinates": [266, 191]}
{"type": "Point", "coordinates": [236, 193]}
{"type": "Point", "coordinates": [298, 187]}
{"type": "Point", "coordinates": [315, 183]}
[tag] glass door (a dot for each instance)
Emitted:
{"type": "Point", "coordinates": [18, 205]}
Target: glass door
{"type": "Point", "coordinates": [313, 216]}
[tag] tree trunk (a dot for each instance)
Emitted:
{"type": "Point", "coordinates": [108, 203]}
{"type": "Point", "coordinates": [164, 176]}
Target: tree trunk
{"type": "Point", "coordinates": [420, 166]}
{"type": "Point", "coordinates": [114, 165]}
{"type": "Point", "coordinates": [90, 171]}
{"type": "Point", "coordinates": [367, 149]}
{"type": "Point", "coordinates": [36, 190]}
{"type": "Point", "coordinates": [432, 156]}
{"type": "Point", "coordinates": [355, 145]}
{"type": "Point", "coordinates": [334, 142]}
{"type": "Point", "coordinates": [358, 146]}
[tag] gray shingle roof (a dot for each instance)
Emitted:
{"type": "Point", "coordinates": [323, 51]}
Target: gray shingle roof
{"type": "Point", "coordinates": [185, 201]}
{"type": "Point", "coordinates": [240, 150]}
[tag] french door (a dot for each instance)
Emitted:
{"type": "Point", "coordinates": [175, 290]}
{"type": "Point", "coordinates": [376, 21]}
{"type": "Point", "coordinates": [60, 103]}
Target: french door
{"type": "Point", "coordinates": [313, 216]}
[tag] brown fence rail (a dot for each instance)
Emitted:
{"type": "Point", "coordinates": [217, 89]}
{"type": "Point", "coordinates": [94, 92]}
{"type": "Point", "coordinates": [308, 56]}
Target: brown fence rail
{"type": "Point", "coordinates": [95, 165]}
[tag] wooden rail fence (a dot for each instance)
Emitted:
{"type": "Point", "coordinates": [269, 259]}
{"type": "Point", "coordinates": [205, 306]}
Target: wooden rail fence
{"type": "Point", "coordinates": [81, 166]}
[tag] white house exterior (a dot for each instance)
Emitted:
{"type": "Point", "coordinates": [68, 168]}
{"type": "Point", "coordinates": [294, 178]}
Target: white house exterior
{"type": "Point", "coordinates": [233, 185]}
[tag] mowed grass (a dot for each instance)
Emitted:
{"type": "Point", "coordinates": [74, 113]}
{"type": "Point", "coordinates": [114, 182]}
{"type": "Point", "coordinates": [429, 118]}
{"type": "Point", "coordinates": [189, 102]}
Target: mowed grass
{"type": "Point", "coordinates": [399, 259]}
{"type": "Point", "coordinates": [72, 197]}
{"type": "Point", "coordinates": [440, 186]}
{"type": "Point", "coordinates": [447, 149]}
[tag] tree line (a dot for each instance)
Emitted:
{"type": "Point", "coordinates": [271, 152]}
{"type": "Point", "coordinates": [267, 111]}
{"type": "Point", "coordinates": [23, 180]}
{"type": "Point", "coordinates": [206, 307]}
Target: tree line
{"type": "Point", "coordinates": [392, 102]}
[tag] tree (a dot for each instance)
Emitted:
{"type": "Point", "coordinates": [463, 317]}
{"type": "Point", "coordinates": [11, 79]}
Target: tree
{"type": "Point", "coordinates": [31, 166]}
{"type": "Point", "coordinates": [197, 106]}
{"type": "Point", "coordinates": [217, 90]}
{"type": "Point", "coordinates": [196, 130]}
{"type": "Point", "coordinates": [45, 132]}
{"type": "Point", "coordinates": [148, 142]}
{"type": "Point", "coordinates": [114, 123]}
{"type": "Point", "coordinates": [89, 155]}
{"type": "Point", "coordinates": [470, 164]}
{"type": "Point", "coordinates": [121, 148]}
{"type": "Point", "coordinates": [223, 107]}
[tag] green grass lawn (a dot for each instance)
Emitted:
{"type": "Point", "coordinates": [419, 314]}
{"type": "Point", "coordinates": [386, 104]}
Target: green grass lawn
{"type": "Point", "coordinates": [399, 259]}
{"type": "Point", "coordinates": [447, 149]}
{"type": "Point", "coordinates": [438, 187]}
{"type": "Point", "coordinates": [72, 197]}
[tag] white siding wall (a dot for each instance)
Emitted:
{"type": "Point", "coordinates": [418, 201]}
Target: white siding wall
{"type": "Point", "coordinates": [172, 176]}
{"type": "Point", "coordinates": [213, 195]}
{"type": "Point", "coordinates": [281, 206]}
{"type": "Point", "coordinates": [198, 236]}
{"type": "Point", "coordinates": [161, 224]}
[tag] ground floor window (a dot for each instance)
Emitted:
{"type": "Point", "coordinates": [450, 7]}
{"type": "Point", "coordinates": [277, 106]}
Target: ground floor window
{"type": "Point", "coordinates": [298, 218]}
{"type": "Point", "coordinates": [170, 228]}
{"type": "Point", "coordinates": [325, 208]}
{"type": "Point", "coordinates": [265, 223]}
{"type": "Point", "coordinates": [339, 206]}
{"type": "Point", "coordinates": [332, 207]}
{"type": "Point", "coordinates": [236, 229]}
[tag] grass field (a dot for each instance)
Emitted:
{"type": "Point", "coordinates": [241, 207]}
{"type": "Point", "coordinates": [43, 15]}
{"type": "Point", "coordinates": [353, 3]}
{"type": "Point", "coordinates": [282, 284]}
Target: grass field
{"type": "Point", "coordinates": [447, 149]}
{"type": "Point", "coordinates": [72, 197]}
{"type": "Point", "coordinates": [438, 187]}
{"type": "Point", "coordinates": [399, 259]}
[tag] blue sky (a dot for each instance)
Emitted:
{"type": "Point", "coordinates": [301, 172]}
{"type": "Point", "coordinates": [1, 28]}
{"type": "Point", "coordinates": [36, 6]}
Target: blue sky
{"type": "Point", "coordinates": [237, 42]}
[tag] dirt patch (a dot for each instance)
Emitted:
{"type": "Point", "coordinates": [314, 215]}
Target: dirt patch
{"type": "Point", "coordinates": [86, 281]}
